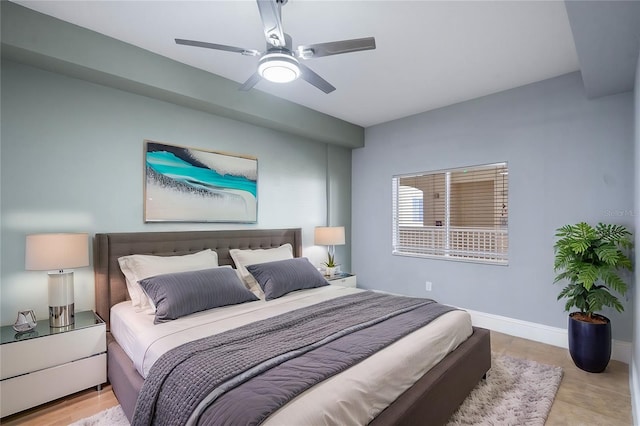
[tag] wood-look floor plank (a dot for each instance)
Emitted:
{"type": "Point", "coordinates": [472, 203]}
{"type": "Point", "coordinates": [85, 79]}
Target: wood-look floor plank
{"type": "Point", "coordinates": [66, 410]}
{"type": "Point", "coordinates": [583, 399]}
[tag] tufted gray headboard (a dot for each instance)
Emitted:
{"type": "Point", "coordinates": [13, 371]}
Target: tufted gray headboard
{"type": "Point", "coordinates": [110, 285]}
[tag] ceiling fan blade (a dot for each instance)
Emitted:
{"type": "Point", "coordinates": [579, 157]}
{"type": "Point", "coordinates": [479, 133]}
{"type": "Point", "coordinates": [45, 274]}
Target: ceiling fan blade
{"type": "Point", "coordinates": [247, 52]}
{"type": "Point", "coordinates": [311, 77]}
{"type": "Point", "coordinates": [271, 15]}
{"type": "Point", "coordinates": [336, 47]}
{"type": "Point", "coordinates": [252, 81]}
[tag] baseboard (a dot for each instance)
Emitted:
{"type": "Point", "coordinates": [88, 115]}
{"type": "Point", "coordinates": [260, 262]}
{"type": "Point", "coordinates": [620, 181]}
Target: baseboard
{"type": "Point", "coordinates": [634, 386]}
{"type": "Point", "coordinates": [620, 350]}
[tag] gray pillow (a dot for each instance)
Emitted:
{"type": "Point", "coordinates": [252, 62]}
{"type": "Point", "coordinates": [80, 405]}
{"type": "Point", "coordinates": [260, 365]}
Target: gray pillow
{"type": "Point", "coordinates": [182, 293]}
{"type": "Point", "coordinates": [284, 276]}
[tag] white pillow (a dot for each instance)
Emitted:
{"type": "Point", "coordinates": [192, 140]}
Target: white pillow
{"type": "Point", "coordinates": [137, 267]}
{"type": "Point", "coordinates": [244, 258]}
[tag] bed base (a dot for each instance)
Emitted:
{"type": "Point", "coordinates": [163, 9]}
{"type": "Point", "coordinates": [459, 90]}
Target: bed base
{"type": "Point", "coordinates": [431, 400]}
{"type": "Point", "coordinates": [438, 394]}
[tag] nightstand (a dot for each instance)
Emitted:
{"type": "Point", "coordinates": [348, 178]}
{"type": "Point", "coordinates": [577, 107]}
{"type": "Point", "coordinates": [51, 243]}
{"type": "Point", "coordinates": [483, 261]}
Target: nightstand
{"type": "Point", "coordinates": [48, 363]}
{"type": "Point", "coordinates": [344, 279]}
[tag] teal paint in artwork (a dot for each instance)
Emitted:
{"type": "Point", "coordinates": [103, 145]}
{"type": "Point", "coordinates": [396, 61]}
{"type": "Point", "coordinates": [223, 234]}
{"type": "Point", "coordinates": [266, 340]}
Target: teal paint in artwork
{"type": "Point", "coordinates": [181, 171]}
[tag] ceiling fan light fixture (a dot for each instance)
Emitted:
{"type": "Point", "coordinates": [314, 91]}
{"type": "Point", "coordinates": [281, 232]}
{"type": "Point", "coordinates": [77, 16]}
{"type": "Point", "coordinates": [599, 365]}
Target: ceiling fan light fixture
{"type": "Point", "coordinates": [278, 68]}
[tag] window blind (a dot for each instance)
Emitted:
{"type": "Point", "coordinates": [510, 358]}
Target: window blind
{"type": "Point", "coordinates": [459, 214]}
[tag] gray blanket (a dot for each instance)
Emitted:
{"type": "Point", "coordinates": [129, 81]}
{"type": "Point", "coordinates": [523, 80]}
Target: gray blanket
{"type": "Point", "coordinates": [184, 382]}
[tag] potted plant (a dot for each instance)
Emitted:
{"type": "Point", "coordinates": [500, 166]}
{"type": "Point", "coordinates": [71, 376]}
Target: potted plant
{"type": "Point", "coordinates": [331, 265]}
{"type": "Point", "coordinates": [591, 261]}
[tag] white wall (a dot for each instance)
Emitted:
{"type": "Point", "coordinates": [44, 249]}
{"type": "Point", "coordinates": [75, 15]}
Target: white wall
{"type": "Point", "coordinates": [570, 159]}
{"type": "Point", "coordinates": [72, 161]}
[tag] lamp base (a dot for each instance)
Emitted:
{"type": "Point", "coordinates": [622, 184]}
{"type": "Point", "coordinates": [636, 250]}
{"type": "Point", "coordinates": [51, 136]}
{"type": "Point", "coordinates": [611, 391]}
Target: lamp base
{"type": "Point", "coordinates": [61, 303]}
{"type": "Point", "coordinates": [62, 316]}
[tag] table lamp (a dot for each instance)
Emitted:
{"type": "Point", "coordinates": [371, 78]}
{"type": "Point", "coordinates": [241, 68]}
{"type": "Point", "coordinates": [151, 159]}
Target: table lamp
{"type": "Point", "coordinates": [57, 253]}
{"type": "Point", "coordinates": [330, 236]}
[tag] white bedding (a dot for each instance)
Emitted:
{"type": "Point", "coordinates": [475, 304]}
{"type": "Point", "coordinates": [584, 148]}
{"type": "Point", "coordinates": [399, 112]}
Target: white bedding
{"type": "Point", "coordinates": [355, 396]}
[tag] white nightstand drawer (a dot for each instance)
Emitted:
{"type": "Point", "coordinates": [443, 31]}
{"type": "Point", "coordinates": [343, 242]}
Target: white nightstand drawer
{"type": "Point", "coordinates": [48, 363]}
{"type": "Point", "coordinates": [31, 355]}
{"type": "Point", "coordinates": [349, 281]}
{"type": "Point", "coordinates": [29, 390]}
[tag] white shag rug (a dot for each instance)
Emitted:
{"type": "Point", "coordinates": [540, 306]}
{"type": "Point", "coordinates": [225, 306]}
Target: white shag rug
{"type": "Point", "coordinates": [516, 392]}
{"type": "Point", "coordinates": [113, 416]}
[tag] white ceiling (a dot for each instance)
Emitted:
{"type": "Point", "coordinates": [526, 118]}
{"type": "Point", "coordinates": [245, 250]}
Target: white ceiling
{"type": "Point", "coordinates": [429, 54]}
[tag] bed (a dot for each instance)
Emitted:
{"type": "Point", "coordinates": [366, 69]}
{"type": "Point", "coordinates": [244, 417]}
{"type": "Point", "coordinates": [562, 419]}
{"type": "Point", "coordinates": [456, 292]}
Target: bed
{"type": "Point", "coordinates": [431, 399]}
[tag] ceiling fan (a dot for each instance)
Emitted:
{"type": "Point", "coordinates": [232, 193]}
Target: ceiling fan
{"type": "Point", "coordinates": [280, 63]}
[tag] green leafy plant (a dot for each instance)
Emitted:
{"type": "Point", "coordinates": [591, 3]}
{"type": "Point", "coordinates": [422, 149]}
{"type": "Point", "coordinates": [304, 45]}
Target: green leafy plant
{"type": "Point", "coordinates": [331, 261]}
{"type": "Point", "coordinates": [591, 260]}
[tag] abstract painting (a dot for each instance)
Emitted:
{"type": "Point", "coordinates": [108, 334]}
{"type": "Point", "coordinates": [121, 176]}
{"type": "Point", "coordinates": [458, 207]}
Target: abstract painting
{"type": "Point", "coordinates": [194, 185]}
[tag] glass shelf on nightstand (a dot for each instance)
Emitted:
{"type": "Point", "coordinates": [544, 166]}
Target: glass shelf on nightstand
{"type": "Point", "coordinates": [338, 275]}
{"type": "Point", "coordinates": [83, 319]}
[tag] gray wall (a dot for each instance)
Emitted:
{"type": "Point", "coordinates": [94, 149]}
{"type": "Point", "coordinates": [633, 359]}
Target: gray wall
{"type": "Point", "coordinates": [72, 161]}
{"type": "Point", "coordinates": [635, 360]}
{"type": "Point", "coordinates": [339, 190]}
{"type": "Point", "coordinates": [570, 159]}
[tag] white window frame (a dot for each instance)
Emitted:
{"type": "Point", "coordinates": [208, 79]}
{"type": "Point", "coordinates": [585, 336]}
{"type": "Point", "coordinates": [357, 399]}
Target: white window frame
{"type": "Point", "coordinates": [480, 244]}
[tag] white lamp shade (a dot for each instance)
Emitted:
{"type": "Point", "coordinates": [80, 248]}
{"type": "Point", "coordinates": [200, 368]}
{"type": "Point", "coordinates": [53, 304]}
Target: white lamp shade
{"type": "Point", "coordinates": [329, 235]}
{"type": "Point", "coordinates": [45, 252]}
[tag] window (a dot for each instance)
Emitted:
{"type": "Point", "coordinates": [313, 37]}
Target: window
{"type": "Point", "coordinates": [457, 214]}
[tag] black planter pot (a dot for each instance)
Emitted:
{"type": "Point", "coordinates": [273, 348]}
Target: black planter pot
{"type": "Point", "coordinates": [590, 344]}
